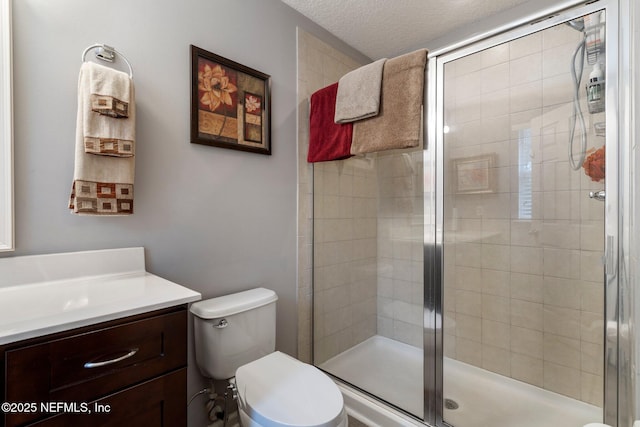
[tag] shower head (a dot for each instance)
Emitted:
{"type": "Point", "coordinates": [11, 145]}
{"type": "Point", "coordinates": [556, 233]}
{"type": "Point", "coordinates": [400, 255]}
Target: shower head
{"type": "Point", "coordinates": [576, 24]}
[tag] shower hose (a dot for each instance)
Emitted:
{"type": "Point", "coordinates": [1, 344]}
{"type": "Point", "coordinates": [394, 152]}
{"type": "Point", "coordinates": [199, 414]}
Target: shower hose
{"type": "Point", "coordinates": [576, 75]}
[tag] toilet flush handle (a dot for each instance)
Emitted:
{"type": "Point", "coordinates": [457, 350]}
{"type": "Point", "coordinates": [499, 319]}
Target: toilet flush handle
{"type": "Point", "coordinates": [221, 324]}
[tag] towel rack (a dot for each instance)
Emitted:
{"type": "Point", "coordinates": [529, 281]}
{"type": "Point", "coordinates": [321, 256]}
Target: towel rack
{"type": "Point", "coordinates": [107, 53]}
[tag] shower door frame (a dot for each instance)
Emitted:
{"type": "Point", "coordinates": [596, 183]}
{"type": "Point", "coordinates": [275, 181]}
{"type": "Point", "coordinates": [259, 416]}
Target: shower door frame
{"type": "Point", "coordinates": [618, 402]}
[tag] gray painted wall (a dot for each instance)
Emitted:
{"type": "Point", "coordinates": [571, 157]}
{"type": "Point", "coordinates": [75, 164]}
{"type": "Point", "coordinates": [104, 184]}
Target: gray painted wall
{"type": "Point", "coordinates": [212, 219]}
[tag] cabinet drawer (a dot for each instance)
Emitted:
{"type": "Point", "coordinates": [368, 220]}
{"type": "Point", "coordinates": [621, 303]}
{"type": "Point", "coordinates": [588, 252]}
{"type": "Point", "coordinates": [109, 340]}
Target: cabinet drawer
{"type": "Point", "coordinates": [155, 403]}
{"type": "Point", "coordinates": [84, 367]}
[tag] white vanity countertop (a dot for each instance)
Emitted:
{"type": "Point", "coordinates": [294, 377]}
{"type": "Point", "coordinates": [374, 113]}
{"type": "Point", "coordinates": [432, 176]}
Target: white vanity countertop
{"type": "Point", "coordinates": [43, 307]}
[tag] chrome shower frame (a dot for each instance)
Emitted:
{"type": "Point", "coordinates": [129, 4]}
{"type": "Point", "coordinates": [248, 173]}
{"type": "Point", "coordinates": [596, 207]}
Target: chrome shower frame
{"type": "Point", "coordinates": [618, 374]}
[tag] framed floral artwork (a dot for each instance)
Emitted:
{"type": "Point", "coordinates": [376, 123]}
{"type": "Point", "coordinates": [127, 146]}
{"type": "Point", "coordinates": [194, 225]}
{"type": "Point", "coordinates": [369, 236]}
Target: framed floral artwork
{"type": "Point", "coordinates": [474, 175]}
{"type": "Point", "coordinates": [230, 104]}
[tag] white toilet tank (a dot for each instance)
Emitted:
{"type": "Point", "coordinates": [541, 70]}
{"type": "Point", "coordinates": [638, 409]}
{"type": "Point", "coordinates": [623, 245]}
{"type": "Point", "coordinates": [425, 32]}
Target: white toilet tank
{"type": "Point", "coordinates": [233, 330]}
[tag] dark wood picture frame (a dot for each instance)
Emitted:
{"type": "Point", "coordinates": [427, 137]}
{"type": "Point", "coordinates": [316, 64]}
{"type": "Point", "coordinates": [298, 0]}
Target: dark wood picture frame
{"type": "Point", "coordinates": [230, 104]}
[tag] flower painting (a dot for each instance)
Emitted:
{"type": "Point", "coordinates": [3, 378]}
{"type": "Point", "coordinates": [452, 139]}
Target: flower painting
{"type": "Point", "coordinates": [229, 104]}
{"type": "Point", "coordinates": [253, 117]}
{"type": "Point", "coordinates": [218, 100]}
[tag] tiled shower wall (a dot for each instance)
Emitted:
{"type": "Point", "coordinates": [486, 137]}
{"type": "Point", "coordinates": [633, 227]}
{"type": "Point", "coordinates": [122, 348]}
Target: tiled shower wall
{"type": "Point", "coordinates": [523, 271]}
{"type": "Point", "coordinates": [400, 245]}
{"type": "Point", "coordinates": [344, 219]}
{"type": "Point", "coordinates": [367, 214]}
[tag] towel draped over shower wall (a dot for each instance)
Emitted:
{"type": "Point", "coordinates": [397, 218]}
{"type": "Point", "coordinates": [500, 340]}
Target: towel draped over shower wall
{"type": "Point", "coordinates": [383, 100]}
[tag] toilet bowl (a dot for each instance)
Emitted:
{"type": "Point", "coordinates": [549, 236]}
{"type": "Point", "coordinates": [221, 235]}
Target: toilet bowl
{"type": "Point", "coordinates": [235, 339]}
{"type": "Point", "coordinates": [278, 390]}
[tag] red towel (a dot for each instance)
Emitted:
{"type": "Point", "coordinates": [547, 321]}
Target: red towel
{"type": "Point", "coordinates": [327, 140]}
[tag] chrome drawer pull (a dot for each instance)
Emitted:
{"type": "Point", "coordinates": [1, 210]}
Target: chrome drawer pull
{"type": "Point", "coordinates": [90, 365]}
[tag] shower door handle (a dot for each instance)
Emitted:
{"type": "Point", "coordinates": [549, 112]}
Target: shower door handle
{"type": "Point", "coordinates": [598, 195]}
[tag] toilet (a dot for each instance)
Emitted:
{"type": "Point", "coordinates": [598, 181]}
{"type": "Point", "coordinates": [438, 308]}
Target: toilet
{"type": "Point", "coordinates": [235, 336]}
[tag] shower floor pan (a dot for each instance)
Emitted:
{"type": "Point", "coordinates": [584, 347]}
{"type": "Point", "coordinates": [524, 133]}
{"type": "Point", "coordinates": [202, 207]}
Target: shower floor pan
{"type": "Point", "coordinates": [392, 371]}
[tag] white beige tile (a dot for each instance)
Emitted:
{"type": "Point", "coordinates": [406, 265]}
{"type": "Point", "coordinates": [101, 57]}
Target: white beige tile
{"type": "Point", "coordinates": [467, 64]}
{"type": "Point", "coordinates": [562, 350]}
{"type": "Point", "coordinates": [592, 358]}
{"type": "Point", "coordinates": [494, 78]}
{"type": "Point", "coordinates": [559, 34]}
{"type": "Point", "coordinates": [563, 380]}
{"type": "Point", "coordinates": [497, 334]}
{"type": "Point", "coordinates": [467, 85]}
{"type": "Point", "coordinates": [557, 90]}
{"type": "Point", "coordinates": [468, 278]}
{"type": "Point", "coordinates": [496, 257]}
{"type": "Point", "coordinates": [563, 263]}
{"type": "Point", "coordinates": [527, 287]}
{"type": "Point", "coordinates": [469, 303]}
{"type": "Point", "coordinates": [525, 97]}
{"type": "Point", "coordinates": [557, 60]}
{"type": "Point", "coordinates": [496, 206]}
{"type": "Point", "coordinates": [469, 255]}
{"type": "Point", "coordinates": [592, 235]}
{"type": "Point", "coordinates": [496, 308]}
{"type": "Point", "coordinates": [561, 234]}
{"type": "Point", "coordinates": [527, 341]}
{"type": "Point", "coordinates": [495, 55]}
{"type": "Point", "coordinates": [591, 327]}
{"type": "Point", "coordinates": [496, 282]}
{"type": "Point", "coordinates": [468, 327]}
{"type": "Point", "coordinates": [525, 69]}
{"type": "Point", "coordinates": [525, 232]}
{"type": "Point", "coordinates": [592, 296]}
{"type": "Point", "coordinates": [469, 351]}
{"type": "Point", "coordinates": [592, 268]}
{"type": "Point", "coordinates": [496, 231]}
{"type": "Point", "coordinates": [527, 314]}
{"type": "Point", "coordinates": [562, 321]}
{"type": "Point", "coordinates": [527, 369]}
{"type": "Point", "coordinates": [526, 45]}
{"type": "Point", "coordinates": [592, 388]}
{"type": "Point", "coordinates": [495, 105]}
{"type": "Point", "coordinates": [562, 292]}
{"type": "Point", "coordinates": [496, 359]}
{"type": "Point", "coordinates": [495, 129]}
{"type": "Point", "coordinates": [526, 259]}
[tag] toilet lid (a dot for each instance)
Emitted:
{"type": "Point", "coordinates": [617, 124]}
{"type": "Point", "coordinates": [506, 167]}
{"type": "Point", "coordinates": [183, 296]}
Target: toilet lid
{"type": "Point", "coordinates": [278, 390]}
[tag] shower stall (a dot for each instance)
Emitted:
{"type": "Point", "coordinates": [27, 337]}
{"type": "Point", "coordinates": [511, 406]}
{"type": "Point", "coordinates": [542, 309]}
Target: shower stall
{"type": "Point", "coordinates": [473, 281]}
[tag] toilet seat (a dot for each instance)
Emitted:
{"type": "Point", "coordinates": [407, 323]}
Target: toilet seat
{"type": "Point", "coordinates": [280, 391]}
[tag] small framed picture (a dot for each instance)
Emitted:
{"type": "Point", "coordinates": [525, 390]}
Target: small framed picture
{"type": "Point", "coordinates": [230, 104]}
{"type": "Point", "coordinates": [474, 175]}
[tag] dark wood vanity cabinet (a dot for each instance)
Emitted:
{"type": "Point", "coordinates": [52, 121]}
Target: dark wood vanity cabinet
{"type": "Point", "coordinates": [126, 372]}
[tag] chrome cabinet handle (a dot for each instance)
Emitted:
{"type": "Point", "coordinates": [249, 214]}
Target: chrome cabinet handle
{"type": "Point", "coordinates": [90, 365]}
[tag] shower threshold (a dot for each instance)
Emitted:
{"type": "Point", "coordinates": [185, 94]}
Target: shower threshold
{"type": "Point", "coordinates": [392, 371]}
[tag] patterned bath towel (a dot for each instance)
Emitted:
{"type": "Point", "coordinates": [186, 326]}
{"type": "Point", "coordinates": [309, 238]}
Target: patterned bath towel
{"type": "Point", "coordinates": [102, 177]}
{"type": "Point", "coordinates": [109, 120]}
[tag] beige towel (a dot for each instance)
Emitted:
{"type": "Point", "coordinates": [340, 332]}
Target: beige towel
{"type": "Point", "coordinates": [398, 123]}
{"type": "Point", "coordinates": [102, 184]}
{"type": "Point", "coordinates": [359, 93]}
{"type": "Point", "coordinates": [107, 130]}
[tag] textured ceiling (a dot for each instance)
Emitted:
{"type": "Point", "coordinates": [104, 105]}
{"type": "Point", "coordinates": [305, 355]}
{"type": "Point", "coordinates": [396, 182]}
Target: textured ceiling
{"type": "Point", "coordinates": [385, 28]}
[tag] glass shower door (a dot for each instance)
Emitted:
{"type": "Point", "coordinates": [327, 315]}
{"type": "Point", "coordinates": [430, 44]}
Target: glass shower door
{"type": "Point", "coordinates": [523, 278]}
{"type": "Point", "coordinates": [368, 274]}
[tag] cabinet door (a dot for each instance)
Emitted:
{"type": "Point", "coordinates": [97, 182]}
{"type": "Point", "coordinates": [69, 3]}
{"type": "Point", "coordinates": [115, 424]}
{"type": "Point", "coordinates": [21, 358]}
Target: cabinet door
{"type": "Point", "coordinates": [156, 403]}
